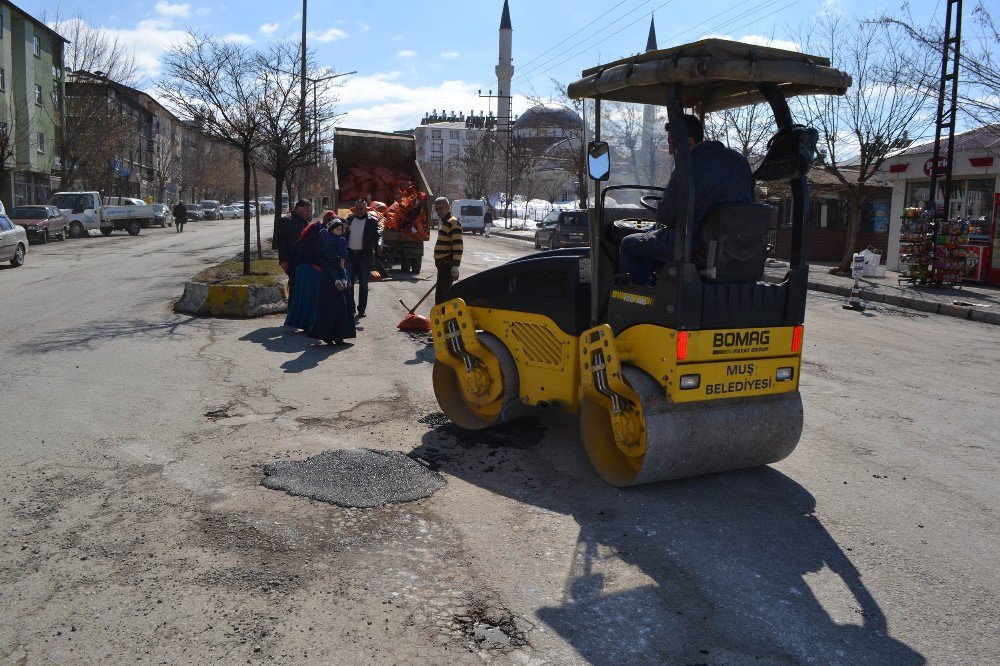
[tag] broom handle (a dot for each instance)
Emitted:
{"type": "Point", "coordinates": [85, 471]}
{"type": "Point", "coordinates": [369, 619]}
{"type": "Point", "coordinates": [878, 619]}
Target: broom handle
{"type": "Point", "coordinates": [424, 298]}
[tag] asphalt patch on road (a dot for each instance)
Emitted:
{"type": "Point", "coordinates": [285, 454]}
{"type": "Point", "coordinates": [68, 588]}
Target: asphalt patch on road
{"type": "Point", "coordinates": [362, 478]}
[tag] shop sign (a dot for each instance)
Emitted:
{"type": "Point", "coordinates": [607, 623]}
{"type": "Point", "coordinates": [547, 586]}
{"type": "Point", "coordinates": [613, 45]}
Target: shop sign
{"type": "Point", "coordinates": [929, 165]}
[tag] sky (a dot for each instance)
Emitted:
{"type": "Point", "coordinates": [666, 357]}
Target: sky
{"type": "Point", "coordinates": [417, 56]}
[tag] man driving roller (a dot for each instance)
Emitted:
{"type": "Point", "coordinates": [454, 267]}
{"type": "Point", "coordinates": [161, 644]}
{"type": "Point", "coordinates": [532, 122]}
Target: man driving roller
{"type": "Point", "coordinates": [721, 176]}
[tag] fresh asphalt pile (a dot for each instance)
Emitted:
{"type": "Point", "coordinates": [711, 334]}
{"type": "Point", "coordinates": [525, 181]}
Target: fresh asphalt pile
{"type": "Point", "coordinates": [362, 478]}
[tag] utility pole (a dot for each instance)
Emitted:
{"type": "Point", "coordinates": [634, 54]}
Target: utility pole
{"type": "Point", "coordinates": [302, 82]}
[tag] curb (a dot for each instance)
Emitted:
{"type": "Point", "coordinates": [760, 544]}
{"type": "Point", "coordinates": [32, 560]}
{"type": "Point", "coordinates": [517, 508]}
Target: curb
{"type": "Point", "coordinates": [507, 234]}
{"type": "Point", "coordinates": [918, 304]}
{"type": "Point", "coordinates": [237, 301]}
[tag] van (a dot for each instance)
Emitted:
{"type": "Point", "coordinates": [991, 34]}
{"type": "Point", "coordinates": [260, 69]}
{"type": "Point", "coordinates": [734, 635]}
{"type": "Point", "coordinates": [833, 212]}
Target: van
{"type": "Point", "coordinates": [470, 214]}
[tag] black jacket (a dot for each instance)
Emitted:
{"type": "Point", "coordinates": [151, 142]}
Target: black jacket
{"type": "Point", "coordinates": [180, 212]}
{"type": "Point", "coordinates": [371, 237]}
{"type": "Point", "coordinates": [721, 175]}
{"type": "Point", "coordinates": [286, 232]}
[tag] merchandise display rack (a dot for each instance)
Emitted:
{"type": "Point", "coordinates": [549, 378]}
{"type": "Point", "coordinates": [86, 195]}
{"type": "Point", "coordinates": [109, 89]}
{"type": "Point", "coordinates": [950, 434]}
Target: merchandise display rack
{"type": "Point", "coordinates": [931, 249]}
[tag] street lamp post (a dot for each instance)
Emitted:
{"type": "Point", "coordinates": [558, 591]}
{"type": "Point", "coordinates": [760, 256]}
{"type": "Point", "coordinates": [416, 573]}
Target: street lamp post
{"type": "Point", "coordinates": [302, 92]}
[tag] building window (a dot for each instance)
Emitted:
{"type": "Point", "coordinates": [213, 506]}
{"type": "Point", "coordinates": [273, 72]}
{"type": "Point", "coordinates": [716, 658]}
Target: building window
{"type": "Point", "coordinates": [435, 134]}
{"type": "Point", "coordinates": [3, 79]}
{"type": "Point", "coordinates": [38, 94]}
{"type": "Point", "coordinates": [454, 134]}
{"type": "Point", "coordinates": [453, 149]}
{"type": "Point", "coordinates": [36, 46]}
{"type": "Point", "coordinates": [41, 142]}
{"type": "Point", "coordinates": [3, 130]}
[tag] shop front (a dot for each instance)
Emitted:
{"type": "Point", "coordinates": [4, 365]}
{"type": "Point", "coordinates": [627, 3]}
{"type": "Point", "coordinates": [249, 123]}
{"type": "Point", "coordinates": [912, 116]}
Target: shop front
{"type": "Point", "coordinates": [972, 206]}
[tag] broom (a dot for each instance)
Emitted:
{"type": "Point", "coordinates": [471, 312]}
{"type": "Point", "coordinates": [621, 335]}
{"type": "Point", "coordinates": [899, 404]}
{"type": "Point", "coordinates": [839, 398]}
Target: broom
{"type": "Point", "coordinates": [412, 321]}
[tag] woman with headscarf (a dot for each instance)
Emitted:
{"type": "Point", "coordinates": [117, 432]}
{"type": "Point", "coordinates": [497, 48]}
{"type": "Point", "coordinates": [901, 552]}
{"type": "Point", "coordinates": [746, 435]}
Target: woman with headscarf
{"type": "Point", "coordinates": [305, 265]}
{"type": "Point", "coordinates": [334, 305]}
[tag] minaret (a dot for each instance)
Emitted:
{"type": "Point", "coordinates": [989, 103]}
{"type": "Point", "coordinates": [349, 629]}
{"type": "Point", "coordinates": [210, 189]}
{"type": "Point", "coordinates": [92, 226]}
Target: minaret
{"type": "Point", "coordinates": [646, 169]}
{"type": "Point", "coordinates": [505, 73]}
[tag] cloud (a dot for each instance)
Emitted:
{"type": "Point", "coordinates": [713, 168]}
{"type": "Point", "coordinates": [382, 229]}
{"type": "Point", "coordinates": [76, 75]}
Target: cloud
{"type": "Point", "coordinates": [148, 40]}
{"type": "Point", "coordinates": [761, 40]}
{"type": "Point", "coordinates": [407, 54]}
{"type": "Point", "coordinates": [269, 29]}
{"type": "Point", "coordinates": [450, 55]}
{"type": "Point", "coordinates": [164, 8]}
{"type": "Point", "coordinates": [331, 35]}
{"type": "Point", "coordinates": [382, 102]}
{"type": "Point", "coordinates": [238, 38]}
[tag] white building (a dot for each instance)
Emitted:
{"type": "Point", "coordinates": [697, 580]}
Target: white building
{"type": "Point", "coordinates": [976, 185]}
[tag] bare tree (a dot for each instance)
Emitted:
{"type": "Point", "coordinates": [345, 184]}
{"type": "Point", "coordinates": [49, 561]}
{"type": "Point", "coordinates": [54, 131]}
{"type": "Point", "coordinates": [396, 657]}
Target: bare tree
{"type": "Point", "coordinates": [221, 83]}
{"type": "Point", "coordinates": [13, 115]}
{"type": "Point", "coordinates": [874, 117]}
{"type": "Point", "coordinates": [481, 164]}
{"type": "Point", "coordinates": [280, 152]}
{"type": "Point", "coordinates": [95, 50]}
{"type": "Point", "coordinates": [166, 164]}
{"type": "Point", "coordinates": [979, 69]}
{"type": "Point", "coordinates": [745, 128]}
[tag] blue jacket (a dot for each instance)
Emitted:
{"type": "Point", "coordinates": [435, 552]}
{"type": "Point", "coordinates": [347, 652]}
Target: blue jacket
{"type": "Point", "coordinates": [721, 175]}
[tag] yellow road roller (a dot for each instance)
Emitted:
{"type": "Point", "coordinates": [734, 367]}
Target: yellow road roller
{"type": "Point", "coordinates": [693, 374]}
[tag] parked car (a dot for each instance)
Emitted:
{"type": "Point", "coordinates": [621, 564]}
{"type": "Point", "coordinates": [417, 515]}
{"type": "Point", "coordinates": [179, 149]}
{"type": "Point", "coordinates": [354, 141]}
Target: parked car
{"type": "Point", "coordinates": [162, 215]}
{"type": "Point", "coordinates": [225, 212]}
{"type": "Point", "coordinates": [566, 228]}
{"type": "Point", "coordinates": [195, 213]}
{"type": "Point", "coordinates": [266, 206]}
{"type": "Point", "coordinates": [41, 223]}
{"type": "Point", "coordinates": [210, 207]}
{"type": "Point", "coordinates": [13, 242]}
{"type": "Point", "coordinates": [471, 214]}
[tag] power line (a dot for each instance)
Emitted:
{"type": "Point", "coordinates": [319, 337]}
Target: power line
{"type": "Point", "coordinates": [541, 69]}
{"type": "Point", "coordinates": [554, 46]}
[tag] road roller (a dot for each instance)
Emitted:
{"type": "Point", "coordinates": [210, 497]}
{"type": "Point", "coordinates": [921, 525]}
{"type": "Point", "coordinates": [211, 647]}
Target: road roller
{"type": "Point", "coordinates": [696, 373]}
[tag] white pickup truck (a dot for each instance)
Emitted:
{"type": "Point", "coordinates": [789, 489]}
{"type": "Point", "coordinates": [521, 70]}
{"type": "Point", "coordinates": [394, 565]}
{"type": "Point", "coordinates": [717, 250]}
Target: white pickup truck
{"type": "Point", "coordinates": [86, 212]}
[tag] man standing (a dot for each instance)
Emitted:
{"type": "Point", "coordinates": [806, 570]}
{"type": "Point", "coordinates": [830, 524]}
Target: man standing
{"type": "Point", "coordinates": [286, 232]}
{"type": "Point", "coordinates": [180, 213]}
{"type": "Point", "coordinates": [721, 176]}
{"type": "Point", "coordinates": [447, 249]}
{"type": "Point", "coordinates": [362, 242]}
{"type": "Point", "coordinates": [487, 220]}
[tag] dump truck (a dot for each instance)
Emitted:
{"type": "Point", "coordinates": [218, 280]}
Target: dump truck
{"type": "Point", "coordinates": [87, 211]}
{"type": "Point", "coordinates": [695, 373]}
{"type": "Point", "coordinates": [354, 147]}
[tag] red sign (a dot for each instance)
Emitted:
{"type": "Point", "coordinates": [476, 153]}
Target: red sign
{"type": "Point", "coordinates": [929, 165]}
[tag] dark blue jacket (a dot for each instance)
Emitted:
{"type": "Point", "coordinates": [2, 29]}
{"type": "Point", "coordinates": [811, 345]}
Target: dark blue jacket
{"type": "Point", "coordinates": [286, 233]}
{"type": "Point", "coordinates": [721, 175]}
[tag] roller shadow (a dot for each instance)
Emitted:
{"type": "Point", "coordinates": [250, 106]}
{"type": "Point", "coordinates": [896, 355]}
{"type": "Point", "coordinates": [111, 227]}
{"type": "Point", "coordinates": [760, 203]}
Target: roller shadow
{"type": "Point", "coordinates": [728, 565]}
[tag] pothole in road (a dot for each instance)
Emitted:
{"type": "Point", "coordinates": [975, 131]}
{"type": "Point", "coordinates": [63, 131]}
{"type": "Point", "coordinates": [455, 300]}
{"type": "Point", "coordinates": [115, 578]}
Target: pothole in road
{"type": "Point", "coordinates": [491, 628]}
{"type": "Point", "coordinates": [519, 434]}
{"type": "Point", "coordinates": [361, 478]}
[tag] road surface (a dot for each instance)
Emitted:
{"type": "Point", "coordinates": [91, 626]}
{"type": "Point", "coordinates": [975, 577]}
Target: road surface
{"type": "Point", "coordinates": [134, 526]}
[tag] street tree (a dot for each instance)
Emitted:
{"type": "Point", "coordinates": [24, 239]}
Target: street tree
{"type": "Point", "coordinates": [481, 165]}
{"type": "Point", "coordinates": [220, 84]}
{"type": "Point", "coordinates": [887, 99]}
{"type": "Point", "coordinates": [280, 151]}
{"type": "Point", "coordinates": [14, 116]}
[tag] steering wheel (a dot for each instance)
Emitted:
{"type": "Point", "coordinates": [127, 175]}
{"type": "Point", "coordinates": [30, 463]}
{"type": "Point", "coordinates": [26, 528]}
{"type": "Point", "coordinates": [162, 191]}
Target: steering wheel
{"type": "Point", "coordinates": [622, 228]}
{"type": "Point", "coordinates": [650, 201]}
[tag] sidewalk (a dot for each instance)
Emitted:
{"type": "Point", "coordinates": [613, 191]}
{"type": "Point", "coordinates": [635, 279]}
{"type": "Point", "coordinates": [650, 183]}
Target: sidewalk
{"type": "Point", "coordinates": [975, 302]}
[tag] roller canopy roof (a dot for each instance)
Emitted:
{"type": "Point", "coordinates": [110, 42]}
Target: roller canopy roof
{"type": "Point", "coordinates": [716, 74]}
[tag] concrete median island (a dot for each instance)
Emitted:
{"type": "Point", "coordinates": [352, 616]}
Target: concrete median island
{"type": "Point", "coordinates": [223, 291]}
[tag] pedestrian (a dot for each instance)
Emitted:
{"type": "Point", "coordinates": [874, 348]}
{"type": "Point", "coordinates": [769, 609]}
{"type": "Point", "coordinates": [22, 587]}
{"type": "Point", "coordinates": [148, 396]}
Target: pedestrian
{"type": "Point", "coordinates": [287, 231]}
{"type": "Point", "coordinates": [363, 241]}
{"type": "Point", "coordinates": [180, 213]}
{"type": "Point", "coordinates": [306, 263]}
{"type": "Point", "coordinates": [447, 249]}
{"type": "Point", "coordinates": [487, 221]}
{"type": "Point", "coordinates": [335, 303]}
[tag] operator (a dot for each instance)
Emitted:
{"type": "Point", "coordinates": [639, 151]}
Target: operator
{"type": "Point", "coordinates": [447, 249]}
{"type": "Point", "coordinates": [721, 176]}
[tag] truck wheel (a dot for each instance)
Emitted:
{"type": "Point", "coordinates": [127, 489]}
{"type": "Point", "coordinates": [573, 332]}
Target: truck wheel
{"type": "Point", "coordinates": [133, 227]}
{"type": "Point", "coordinates": [404, 264]}
{"type": "Point", "coordinates": [77, 230]}
{"type": "Point", "coordinates": [415, 265]}
{"type": "Point", "coordinates": [107, 230]}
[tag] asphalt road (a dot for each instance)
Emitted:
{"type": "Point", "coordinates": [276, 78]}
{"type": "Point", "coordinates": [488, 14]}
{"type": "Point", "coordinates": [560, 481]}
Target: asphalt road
{"type": "Point", "coordinates": [134, 527]}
